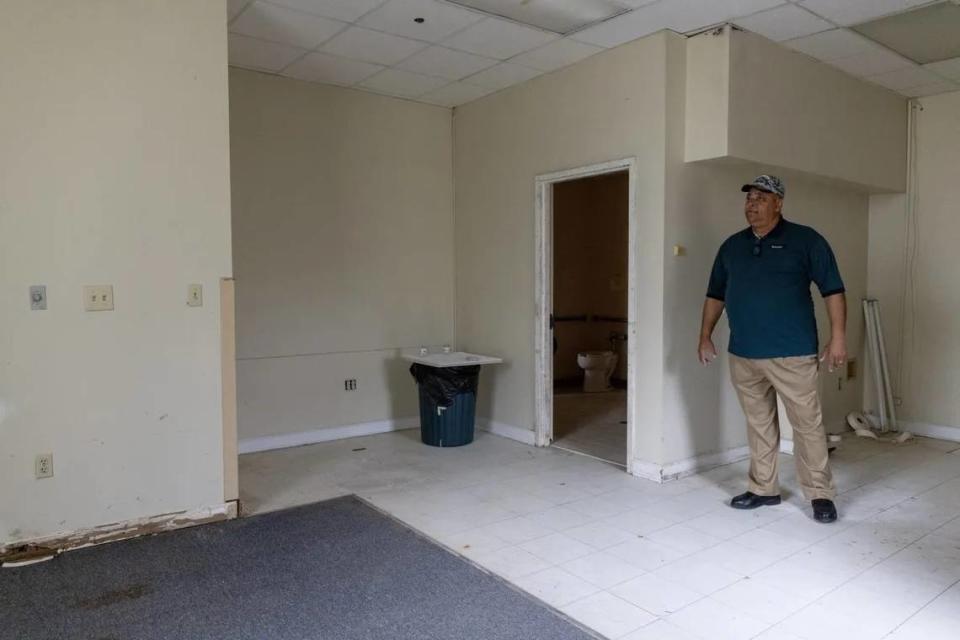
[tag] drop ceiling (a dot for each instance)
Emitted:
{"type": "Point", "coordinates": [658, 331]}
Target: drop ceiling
{"type": "Point", "coordinates": [450, 52]}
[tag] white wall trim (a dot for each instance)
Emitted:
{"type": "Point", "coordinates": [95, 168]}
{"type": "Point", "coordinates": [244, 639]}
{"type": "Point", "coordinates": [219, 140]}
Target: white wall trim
{"type": "Point", "coordinates": [786, 446]}
{"type": "Point", "coordinates": [703, 462]}
{"type": "Point", "coordinates": [325, 434]}
{"type": "Point", "coordinates": [526, 436]}
{"type": "Point", "coordinates": [687, 467]}
{"type": "Point", "coordinates": [133, 528]}
{"type": "Point", "coordinates": [647, 470]}
{"type": "Point", "coordinates": [543, 303]}
{"type": "Point", "coordinates": [927, 430]}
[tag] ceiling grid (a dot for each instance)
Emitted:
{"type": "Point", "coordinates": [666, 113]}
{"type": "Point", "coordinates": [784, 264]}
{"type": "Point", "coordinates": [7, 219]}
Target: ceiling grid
{"type": "Point", "coordinates": [450, 52]}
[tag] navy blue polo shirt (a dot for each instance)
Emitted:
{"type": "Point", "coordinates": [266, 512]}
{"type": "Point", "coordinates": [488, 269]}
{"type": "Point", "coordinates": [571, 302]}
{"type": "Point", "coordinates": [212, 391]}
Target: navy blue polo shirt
{"type": "Point", "coordinates": [765, 285]}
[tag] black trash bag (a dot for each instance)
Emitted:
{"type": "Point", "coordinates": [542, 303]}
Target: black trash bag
{"type": "Point", "coordinates": [442, 385]}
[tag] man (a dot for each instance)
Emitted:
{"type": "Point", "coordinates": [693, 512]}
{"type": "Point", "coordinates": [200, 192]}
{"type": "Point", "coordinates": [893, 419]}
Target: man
{"type": "Point", "coordinates": [762, 277]}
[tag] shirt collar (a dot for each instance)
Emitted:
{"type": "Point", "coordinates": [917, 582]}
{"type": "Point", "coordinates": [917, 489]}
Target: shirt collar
{"type": "Point", "coordinates": [776, 232]}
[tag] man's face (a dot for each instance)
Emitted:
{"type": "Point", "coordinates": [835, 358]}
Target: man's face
{"type": "Point", "coordinates": [762, 208]}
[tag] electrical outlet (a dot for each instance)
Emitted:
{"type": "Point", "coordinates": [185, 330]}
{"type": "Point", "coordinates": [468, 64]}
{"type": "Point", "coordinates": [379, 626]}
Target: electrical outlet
{"type": "Point", "coordinates": [350, 385]}
{"type": "Point", "coordinates": [195, 295]}
{"type": "Point", "coordinates": [98, 297]}
{"type": "Point", "coordinates": [43, 465]}
{"type": "Point", "coordinates": [38, 297]}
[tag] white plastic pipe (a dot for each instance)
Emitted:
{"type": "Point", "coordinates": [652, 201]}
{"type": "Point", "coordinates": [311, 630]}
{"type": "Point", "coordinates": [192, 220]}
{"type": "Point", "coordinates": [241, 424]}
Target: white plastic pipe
{"type": "Point", "coordinates": [875, 362]}
{"type": "Point", "coordinates": [887, 387]}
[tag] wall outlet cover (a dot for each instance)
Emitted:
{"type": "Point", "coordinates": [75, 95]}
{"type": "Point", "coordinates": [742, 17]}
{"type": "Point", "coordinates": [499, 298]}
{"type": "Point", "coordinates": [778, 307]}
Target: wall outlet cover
{"type": "Point", "coordinates": [43, 465]}
{"type": "Point", "coordinates": [98, 297]}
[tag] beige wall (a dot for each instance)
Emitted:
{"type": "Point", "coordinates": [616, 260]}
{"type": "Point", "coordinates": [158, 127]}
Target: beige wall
{"type": "Point", "coordinates": [590, 228]}
{"type": "Point", "coordinates": [704, 207]}
{"type": "Point", "coordinates": [113, 169]}
{"type": "Point", "coordinates": [929, 382]}
{"type": "Point", "coordinates": [607, 107]}
{"type": "Point", "coordinates": [549, 124]}
{"type": "Point", "coordinates": [755, 100]}
{"type": "Point", "coordinates": [343, 230]}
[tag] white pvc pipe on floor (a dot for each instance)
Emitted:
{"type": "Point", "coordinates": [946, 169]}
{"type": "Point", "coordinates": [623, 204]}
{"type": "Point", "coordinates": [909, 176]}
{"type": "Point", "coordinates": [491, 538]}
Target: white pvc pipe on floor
{"type": "Point", "coordinates": [875, 362]}
{"type": "Point", "coordinates": [887, 388]}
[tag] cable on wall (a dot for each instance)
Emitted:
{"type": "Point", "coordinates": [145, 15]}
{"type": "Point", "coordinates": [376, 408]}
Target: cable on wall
{"type": "Point", "coordinates": [908, 299]}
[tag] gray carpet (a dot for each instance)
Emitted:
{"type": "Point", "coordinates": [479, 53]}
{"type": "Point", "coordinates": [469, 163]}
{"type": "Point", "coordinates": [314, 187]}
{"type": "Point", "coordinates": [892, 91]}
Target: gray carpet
{"type": "Point", "coordinates": [331, 570]}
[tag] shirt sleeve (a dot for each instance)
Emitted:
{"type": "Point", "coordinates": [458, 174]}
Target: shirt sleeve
{"type": "Point", "coordinates": [717, 287]}
{"type": "Point", "coordinates": [823, 268]}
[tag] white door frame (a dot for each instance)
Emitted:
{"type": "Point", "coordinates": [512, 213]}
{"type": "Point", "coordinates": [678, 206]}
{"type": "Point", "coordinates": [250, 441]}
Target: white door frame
{"type": "Point", "coordinates": [543, 235]}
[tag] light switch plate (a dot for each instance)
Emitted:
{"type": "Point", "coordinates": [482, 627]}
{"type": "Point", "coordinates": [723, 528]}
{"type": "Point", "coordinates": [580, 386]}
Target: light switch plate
{"type": "Point", "coordinates": [195, 295]}
{"type": "Point", "coordinates": [98, 297]}
{"type": "Point", "coordinates": [38, 297]}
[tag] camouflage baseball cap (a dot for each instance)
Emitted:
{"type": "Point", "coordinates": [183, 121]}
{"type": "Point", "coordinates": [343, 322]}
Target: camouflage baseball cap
{"type": "Point", "coordinates": [768, 183]}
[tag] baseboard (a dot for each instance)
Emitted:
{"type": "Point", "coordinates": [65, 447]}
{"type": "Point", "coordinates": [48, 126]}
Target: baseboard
{"type": "Point", "coordinates": [526, 436]}
{"type": "Point", "coordinates": [927, 430]}
{"type": "Point", "coordinates": [704, 462]}
{"type": "Point", "coordinates": [325, 434]}
{"type": "Point", "coordinates": [687, 467]}
{"type": "Point", "coordinates": [130, 528]}
{"type": "Point", "coordinates": [647, 470]}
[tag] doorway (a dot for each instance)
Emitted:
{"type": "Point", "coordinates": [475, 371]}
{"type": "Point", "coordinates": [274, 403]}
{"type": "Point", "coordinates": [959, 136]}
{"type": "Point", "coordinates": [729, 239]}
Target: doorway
{"type": "Point", "coordinates": [586, 301]}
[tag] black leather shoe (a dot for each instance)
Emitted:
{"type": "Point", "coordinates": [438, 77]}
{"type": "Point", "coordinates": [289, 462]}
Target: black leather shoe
{"type": "Point", "coordinates": [750, 500]}
{"type": "Point", "coordinates": [824, 510]}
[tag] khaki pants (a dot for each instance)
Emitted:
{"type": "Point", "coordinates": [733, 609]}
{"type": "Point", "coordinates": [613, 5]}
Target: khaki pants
{"type": "Point", "coordinates": [795, 379]}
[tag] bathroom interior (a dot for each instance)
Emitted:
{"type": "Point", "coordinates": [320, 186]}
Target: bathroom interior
{"type": "Point", "coordinates": [590, 260]}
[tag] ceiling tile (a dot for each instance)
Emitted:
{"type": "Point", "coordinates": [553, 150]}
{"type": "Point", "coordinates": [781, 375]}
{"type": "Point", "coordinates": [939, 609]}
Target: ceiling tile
{"type": "Point", "coordinates": [906, 78]}
{"type": "Point", "coordinates": [372, 46]}
{"type": "Point", "coordinates": [259, 54]}
{"type": "Point", "coordinates": [622, 29]}
{"type": "Point", "coordinates": [557, 16]}
{"type": "Point", "coordinates": [682, 16]}
{"type": "Point", "coordinates": [503, 75]}
{"type": "Point", "coordinates": [848, 12]}
{"type": "Point", "coordinates": [456, 94]}
{"type": "Point", "coordinates": [346, 10]}
{"type": "Point", "coordinates": [872, 63]}
{"type": "Point", "coordinates": [446, 63]}
{"type": "Point", "coordinates": [277, 24]}
{"type": "Point", "coordinates": [924, 35]}
{"type": "Point", "coordinates": [739, 8]}
{"type": "Point", "coordinates": [784, 23]}
{"type": "Point", "coordinates": [945, 68]}
{"type": "Point", "coordinates": [402, 83]}
{"type": "Point", "coordinates": [831, 45]}
{"type": "Point", "coordinates": [439, 19]}
{"type": "Point", "coordinates": [931, 89]}
{"type": "Point", "coordinates": [322, 67]}
{"type": "Point", "coordinates": [234, 7]}
{"type": "Point", "coordinates": [557, 54]}
{"type": "Point", "coordinates": [497, 38]}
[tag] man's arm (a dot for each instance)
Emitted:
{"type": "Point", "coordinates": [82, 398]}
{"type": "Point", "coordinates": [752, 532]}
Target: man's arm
{"type": "Point", "coordinates": [836, 352]}
{"type": "Point", "coordinates": [712, 310]}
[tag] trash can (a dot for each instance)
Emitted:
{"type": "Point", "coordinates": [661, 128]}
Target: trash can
{"type": "Point", "coordinates": [448, 403]}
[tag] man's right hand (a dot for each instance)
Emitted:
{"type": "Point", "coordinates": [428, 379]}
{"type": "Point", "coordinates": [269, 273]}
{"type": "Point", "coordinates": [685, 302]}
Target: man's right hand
{"type": "Point", "coordinates": [707, 352]}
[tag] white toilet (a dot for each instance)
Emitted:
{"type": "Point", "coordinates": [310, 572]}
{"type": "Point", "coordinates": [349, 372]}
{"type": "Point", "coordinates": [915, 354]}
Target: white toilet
{"type": "Point", "coordinates": [597, 366]}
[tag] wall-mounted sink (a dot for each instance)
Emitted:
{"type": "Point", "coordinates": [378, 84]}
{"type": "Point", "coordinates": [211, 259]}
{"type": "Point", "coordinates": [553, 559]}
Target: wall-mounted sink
{"type": "Point", "coordinates": [454, 359]}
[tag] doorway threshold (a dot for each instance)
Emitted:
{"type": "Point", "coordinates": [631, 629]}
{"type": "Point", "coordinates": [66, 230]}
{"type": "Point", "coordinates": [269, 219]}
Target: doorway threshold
{"type": "Point", "coordinates": [587, 455]}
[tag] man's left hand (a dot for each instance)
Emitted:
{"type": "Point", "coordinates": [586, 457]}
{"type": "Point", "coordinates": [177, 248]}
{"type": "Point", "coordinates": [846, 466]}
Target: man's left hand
{"type": "Point", "coordinates": [835, 354]}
